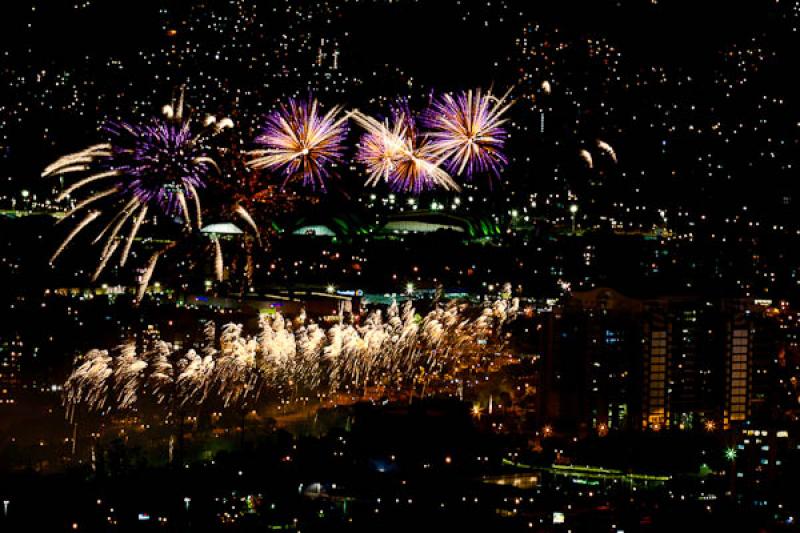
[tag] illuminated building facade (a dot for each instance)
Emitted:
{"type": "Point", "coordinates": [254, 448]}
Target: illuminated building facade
{"type": "Point", "coordinates": [614, 362]}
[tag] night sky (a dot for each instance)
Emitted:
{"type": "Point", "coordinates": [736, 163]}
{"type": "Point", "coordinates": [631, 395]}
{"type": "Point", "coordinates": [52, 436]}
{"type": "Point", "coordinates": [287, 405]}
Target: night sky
{"type": "Point", "coordinates": [722, 63]}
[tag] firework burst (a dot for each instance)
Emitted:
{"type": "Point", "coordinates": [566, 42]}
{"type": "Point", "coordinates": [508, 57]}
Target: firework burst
{"type": "Point", "coordinates": [399, 154]}
{"type": "Point", "coordinates": [301, 142]}
{"type": "Point", "coordinates": [467, 131]}
{"type": "Point", "coordinates": [144, 169]}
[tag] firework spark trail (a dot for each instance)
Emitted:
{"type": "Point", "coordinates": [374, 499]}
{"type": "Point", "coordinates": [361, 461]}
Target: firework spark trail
{"type": "Point", "coordinates": [195, 378]}
{"type": "Point", "coordinates": [354, 362]}
{"type": "Point", "coordinates": [123, 218]}
{"type": "Point", "coordinates": [407, 339]}
{"type": "Point", "coordinates": [162, 374]}
{"type": "Point", "coordinates": [225, 123]}
{"type": "Point", "coordinates": [219, 262]}
{"type": "Point", "coordinates": [265, 337]}
{"type": "Point", "coordinates": [144, 282]}
{"type": "Point", "coordinates": [107, 253]}
{"type": "Point", "coordinates": [123, 214]}
{"type": "Point", "coordinates": [310, 346]}
{"type": "Point", "coordinates": [467, 131]}
{"type": "Point", "coordinates": [80, 205]}
{"type": "Point", "coordinates": [283, 348]}
{"type": "Point", "coordinates": [134, 230]}
{"type": "Point", "coordinates": [87, 155]}
{"type": "Point", "coordinates": [209, 338]}
{"type": "Point", "coordinates": [237, 373]}
{"type": "Point", "coordinates": [72, 234]}
{"type": "Point", "coordinates": [587, 157]}
{"type": "Point", "coordinates": [85, 181]}
{"type": "Point", "coordinates": [204, 160]}
{"type": "Point", "coordinates": [129, 371]}
{"type": "Point", "coordinates": [88, 383]}
{"type": "Point", "coordinates": [607, 149]}
{"type": "Point", "coordinates": [244, 214]}
{"type": "Point", "coordinates": [376, 339]}
{"type": "Point", "coordinates": [184, 209]}
{"type": "Point", "coordinates": [301, 142]}
{"type": "Point", "coordinates": [292, 357]}
{"type": "Point", "coordinates": [197, 371]}
{"type": "Point", "coordinates": [332, 355]}
{"type": "Point", "coordinates": [198, 209]}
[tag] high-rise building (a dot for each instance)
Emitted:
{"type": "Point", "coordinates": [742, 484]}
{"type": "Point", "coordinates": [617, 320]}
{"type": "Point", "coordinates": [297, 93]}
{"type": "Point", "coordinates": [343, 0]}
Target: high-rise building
{"type": "Point", "coordinates": [655, 377]}
{"type": "Point", "coordinates": [589, 365]}
{"type": "Point", "coordinates": [738, 372]}
{"type": "Point", "coordinates": [610, 361]}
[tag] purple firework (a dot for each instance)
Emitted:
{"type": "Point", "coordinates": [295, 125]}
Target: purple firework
{"type": "Point", "coordinates": [468, 131]}
{"type": "Point", "coordinates": [301, 143]}
{"type": "Point", "coordinates": [399, 154]}
{"type": "Point", "coordinates": [157, 165]}
{"type": "Point", "coordinates": [158, 162]}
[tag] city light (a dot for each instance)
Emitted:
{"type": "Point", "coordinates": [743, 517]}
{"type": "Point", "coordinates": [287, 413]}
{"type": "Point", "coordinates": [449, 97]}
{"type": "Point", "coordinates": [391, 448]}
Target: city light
{"type": "Point", "coordinates": [406, 263]}
{"type": "Point", "coordinates": [573, 209]}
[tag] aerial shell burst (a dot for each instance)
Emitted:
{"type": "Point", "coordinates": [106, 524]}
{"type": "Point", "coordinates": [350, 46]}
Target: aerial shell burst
{"type": "Point", "coordinates": [301, 142]}
{"type": "Point", "coordinates": [398, 154]}
{"type": "Point", "coordinates": [468, 131]}
{"type": "Point", "coordinates": [146, 168]}
{"type": "Point", "coordinates": [163, 163]}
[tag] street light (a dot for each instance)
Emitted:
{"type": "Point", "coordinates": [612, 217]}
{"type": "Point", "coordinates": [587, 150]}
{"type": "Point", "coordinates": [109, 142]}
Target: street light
{"type": "Point", "coordinates": [730, 454]}
{"type": "Point", "coordinates": [409, 288]}
{"type": "Point", "coordinates": [573, 209]}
